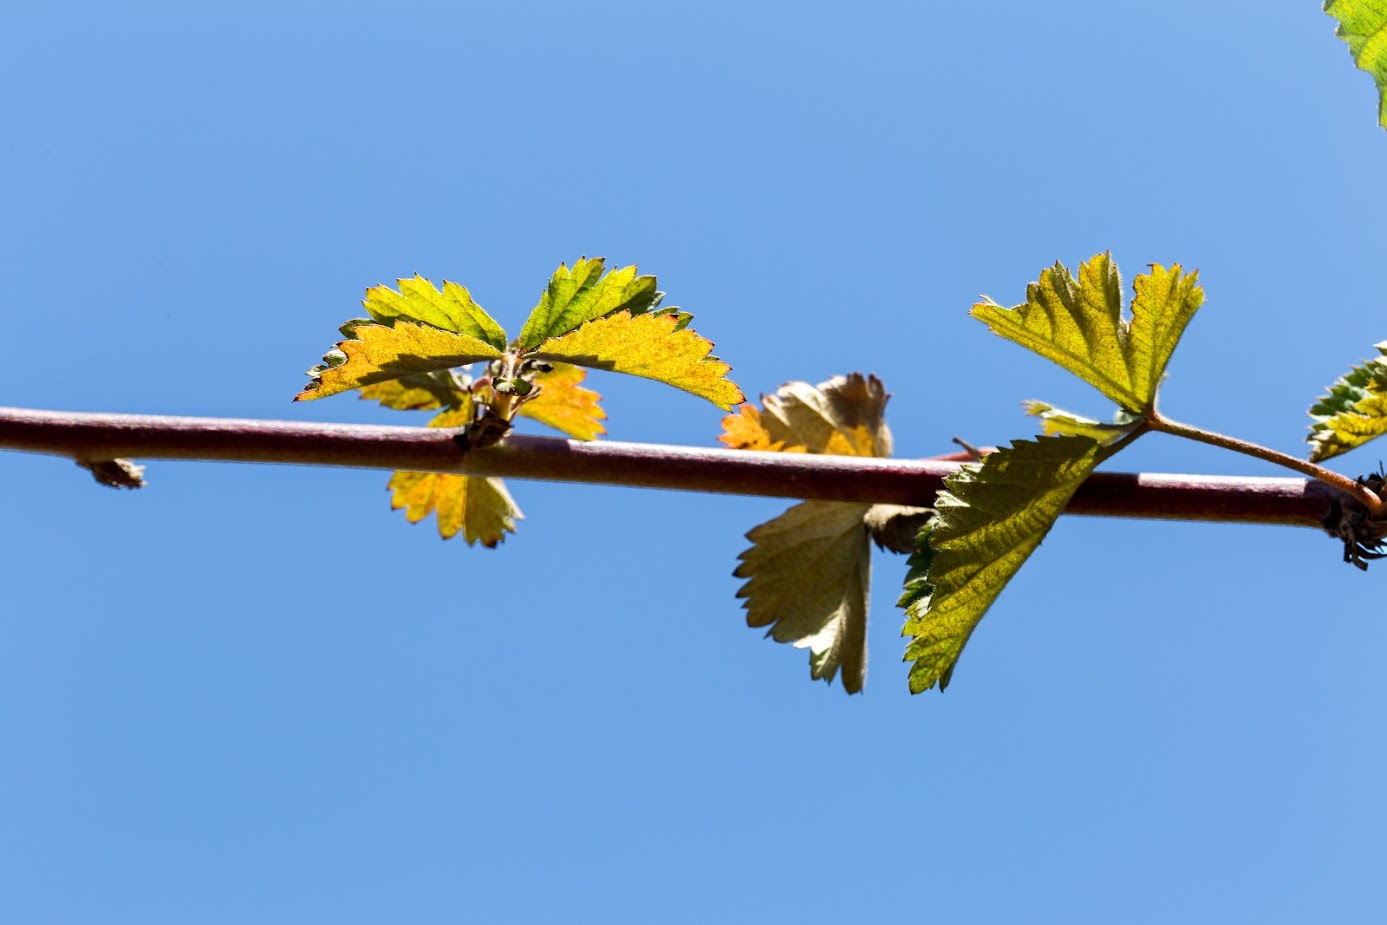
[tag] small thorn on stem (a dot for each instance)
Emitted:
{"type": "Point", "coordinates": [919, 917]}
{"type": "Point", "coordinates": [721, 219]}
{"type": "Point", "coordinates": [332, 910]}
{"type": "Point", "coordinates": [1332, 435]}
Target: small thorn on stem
{"type": "Point", "coordinates": [973, 452]}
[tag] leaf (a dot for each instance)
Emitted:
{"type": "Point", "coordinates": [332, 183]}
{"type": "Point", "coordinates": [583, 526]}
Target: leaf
{"type": "Point", "coordinates": [377, 353]}
{"type": "Point", "coordinates": [444, 388]}
{"type": "Point", "coordinates": [810, 568]}
{"type": "Point", "coordinates": [1080, 326]}
{"type": "Point", "coordinates": [452, 309]}
{"type": "Point", "coordinates": [1057, 421]}
{"type": "Point", "coordinates": [479, 507]}
{"type": "Point", "coordinates": [917, 586]}
{"type": "Point", "coordinates": [895, 526]}
{"type": "Point", "coordinates": [584, 294]}
{"type": "Point", "coordinates": [1363, 25]}
{"type": "Point", "coordinates": [651, 346]}
{"type": "Point", "coordinates": [990, 517]}
{"type": "Point", "coordinates": [1354, 411]}
{"type": "Point", "coordinates": [564, 405]}
{"type": "Point", "coordinates": [809, 572]}
{"type": "Point", "coordinates": [844, 416]}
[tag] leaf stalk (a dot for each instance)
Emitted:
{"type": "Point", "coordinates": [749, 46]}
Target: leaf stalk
{"type": "Point", "coordinates": [1370, 500]}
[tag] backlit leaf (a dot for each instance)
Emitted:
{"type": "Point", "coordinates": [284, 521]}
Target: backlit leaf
{"type": "Point", "coordinates": [1056, 421]}
{"type": "Point", "coordinates": [422, 392]}
{"type": "Point", "coordinates": [649, 345]}
{"type": "Point", "coordinates": [477, 506]}
{"type": "Point", "coordinates": [1354, 411]}
{"type": "Point", "coordinates": [584, 293]}
{"type": "Point", "coordinates": [809, 569]}
{"type": "Point", "coordinates": [563, 404]}
{"type": "Point", "coordinates": [377, 353]}
{"type": "Point", "coordinates": [809, 572]}
{"type": "Point", "coordinates": [744, 430]}
{"type": "Point", "coordinates": [452, 309]}
{"type": "Point", "coordinates": [1363, 25]}
{"type": "Point", "coordinates": [1080, 326]}
{"type": "Point", "coordinates": [844, 416]}
{"type": "Point", "coordinates": [990, 517]}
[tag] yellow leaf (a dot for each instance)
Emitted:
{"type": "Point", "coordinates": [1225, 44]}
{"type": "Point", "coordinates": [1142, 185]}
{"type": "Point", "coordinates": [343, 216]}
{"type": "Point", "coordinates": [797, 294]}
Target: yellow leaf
{"type": "Point", "coordinates": [479, 507]}
{"type": "Point", "coordinates": [651, 346]}
{"type": "Point", "coordinates": [743, 430]}
{"type": "Point", "coordinates": [844, 416]}
{"type": "Point", "coordinates": [563, 404]}
{"type": "Point", "coordinates": [377, 353]}
{"type": "Point", "coordinates": [422, 392]}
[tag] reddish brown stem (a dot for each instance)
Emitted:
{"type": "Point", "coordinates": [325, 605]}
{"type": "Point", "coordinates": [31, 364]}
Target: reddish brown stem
{"type": "Point", "coordinates": [93, 437]}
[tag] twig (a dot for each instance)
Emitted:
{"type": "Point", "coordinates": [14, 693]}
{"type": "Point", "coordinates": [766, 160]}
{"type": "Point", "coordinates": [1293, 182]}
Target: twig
{"type": "Point", "coordinates": [95, 437]}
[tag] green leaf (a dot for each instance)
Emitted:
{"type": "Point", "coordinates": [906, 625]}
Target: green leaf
{"type": "Point", "coordinates": [990, 517]}
{"type": "Point", "coordinates": [844, 416]}
{"type": "Point", "coordinates": [1057, 421]}
{"type": "Point", "coordinates": [585, 294]}
{"type": "Point", "coordinates": [809, 572]}
{"type": "Point", "coordinates": [1363, 25]}
{"type": "Point", "coordinates": [452, 309]}
{"type": "Point", "coordinates": [1354, 411]}
{"type": "Point", "coordinates": [478, 507]}
{"type": "Point", "coordinates": [1080, 326]}
{"type": "Point", "coordinates": [377, 353]}
{"type": "Point", "coordinates": [917, 586]}
{"type": "Point", "coordinates": [652, 346]}
{"type": "Point", "coordinates": [563, 404]}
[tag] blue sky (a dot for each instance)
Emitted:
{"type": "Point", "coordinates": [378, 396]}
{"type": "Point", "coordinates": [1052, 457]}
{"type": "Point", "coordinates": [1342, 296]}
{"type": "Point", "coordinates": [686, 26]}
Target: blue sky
{"type": "Point", "coordinates": [256, 693]}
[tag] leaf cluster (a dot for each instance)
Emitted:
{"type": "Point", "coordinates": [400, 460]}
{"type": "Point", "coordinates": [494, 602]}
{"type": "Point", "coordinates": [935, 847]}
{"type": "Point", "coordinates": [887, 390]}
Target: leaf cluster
{"type": "Point", "coordinates": [416, 348]}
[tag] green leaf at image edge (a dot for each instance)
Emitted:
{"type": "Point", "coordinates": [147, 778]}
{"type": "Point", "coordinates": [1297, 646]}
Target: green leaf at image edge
{"type": "Point", "coordinates": [990, 517]}
{"type": "Point", "coordinates": [1363, 26]}
{"type": "Point", "coordinates": [1354, 411]}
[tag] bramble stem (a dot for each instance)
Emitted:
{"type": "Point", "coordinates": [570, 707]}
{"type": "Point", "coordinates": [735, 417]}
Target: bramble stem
{"type": "Point", "coordinates": [1343, 483]}
{"type": "Point", "coordinates": [95, 437]}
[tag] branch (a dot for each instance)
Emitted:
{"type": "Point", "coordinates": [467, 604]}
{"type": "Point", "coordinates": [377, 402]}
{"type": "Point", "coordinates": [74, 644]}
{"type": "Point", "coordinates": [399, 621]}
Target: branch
{"type": "Point", "coordinates": [92, 438]}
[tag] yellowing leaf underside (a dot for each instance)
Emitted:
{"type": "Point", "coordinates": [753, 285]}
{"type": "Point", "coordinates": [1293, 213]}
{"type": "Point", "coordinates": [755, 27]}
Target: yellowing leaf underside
{"type": "Point", "coordinates": [563, 404]}
{"type": "Point", "coordinates": [809, 576]}
{"type": "Point", "coordinates": [1079, 326]}
{"type": "Point", "coordinates": [1363, 26]}
{"type": "Point", "coordinates": [478, 507]}
{"type": "Point", "coordinates": [451, 309]}
{"type": "Point", "coordinates": [421, 392]}
{"type": "Point", "coordinates": [1354, 411]}
{"type": "Point", "coordinates": [648, 346]}
{"type": "Point", "coordinates": [377, 353]}
{"type": "Point", "coordinates": [990, 518]}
